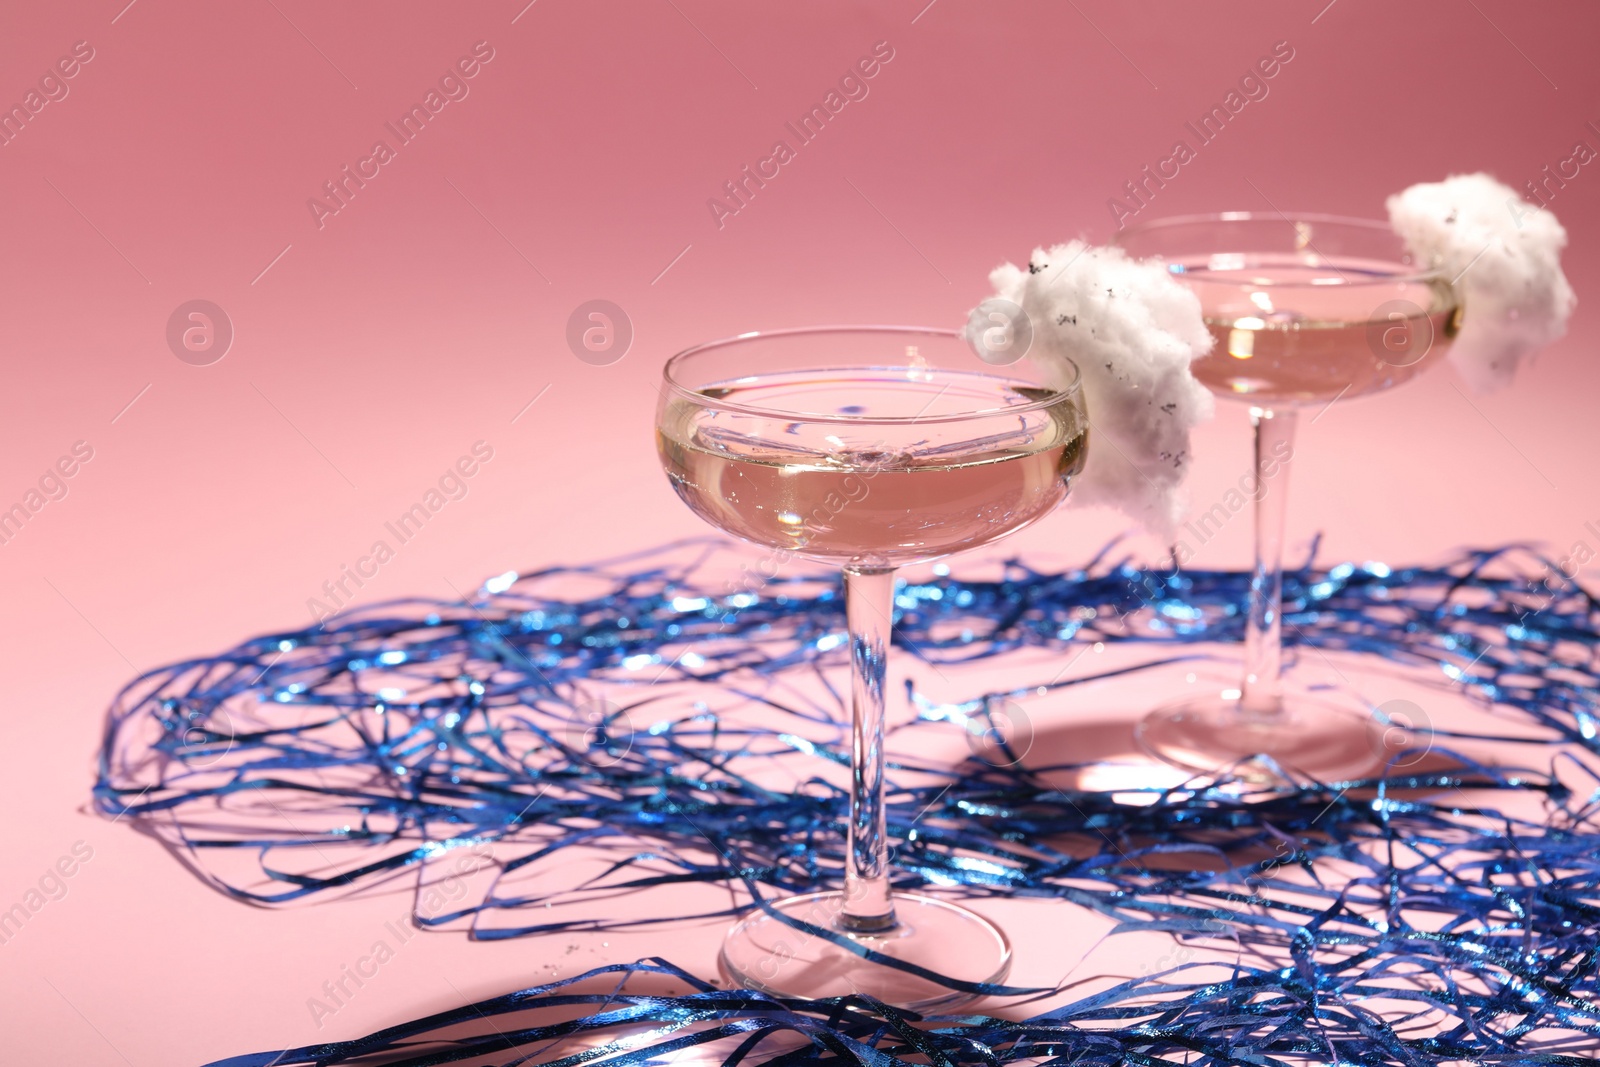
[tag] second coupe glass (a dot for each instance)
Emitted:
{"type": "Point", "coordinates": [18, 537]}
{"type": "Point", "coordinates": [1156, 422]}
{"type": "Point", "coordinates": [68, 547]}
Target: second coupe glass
{"type": "Point", "coordinates": [1304, 309]}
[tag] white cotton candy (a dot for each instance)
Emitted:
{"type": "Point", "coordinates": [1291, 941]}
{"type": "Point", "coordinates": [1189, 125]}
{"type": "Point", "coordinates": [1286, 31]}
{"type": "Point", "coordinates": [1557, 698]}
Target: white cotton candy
{"type": "Point", "coordinates": [1132, 331]}
{"type": "Point", "coordinates": [1505, 257]}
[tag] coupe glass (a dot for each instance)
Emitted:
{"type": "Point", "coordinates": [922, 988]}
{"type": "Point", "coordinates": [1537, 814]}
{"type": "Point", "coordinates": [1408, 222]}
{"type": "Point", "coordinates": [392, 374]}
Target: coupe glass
{"type": "Point", "coordinates": [1305, 309]}
{"type": "Point", "coordinates": [867, 447]}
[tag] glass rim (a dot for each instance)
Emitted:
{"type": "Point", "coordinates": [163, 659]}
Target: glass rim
{"type": "Point", "coordinates": [1171, 221]}
{"type": "Point", "coordinates": [696, 396]}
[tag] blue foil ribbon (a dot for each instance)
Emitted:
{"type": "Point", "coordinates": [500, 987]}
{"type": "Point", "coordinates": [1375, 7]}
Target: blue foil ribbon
{"type": "Point", "coordinates": [1462, 924]}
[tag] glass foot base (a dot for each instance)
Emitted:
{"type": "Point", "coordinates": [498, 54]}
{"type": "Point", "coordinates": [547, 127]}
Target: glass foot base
{"type": "Point", "coordinates": [1307, 738]}
{"type": "Point", "coordinates": [763, 953]}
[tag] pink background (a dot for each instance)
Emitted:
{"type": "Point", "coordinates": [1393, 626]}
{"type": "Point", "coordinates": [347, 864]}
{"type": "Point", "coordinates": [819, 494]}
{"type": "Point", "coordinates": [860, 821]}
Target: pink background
{"type": "Point", "coordinates": [432, 309]}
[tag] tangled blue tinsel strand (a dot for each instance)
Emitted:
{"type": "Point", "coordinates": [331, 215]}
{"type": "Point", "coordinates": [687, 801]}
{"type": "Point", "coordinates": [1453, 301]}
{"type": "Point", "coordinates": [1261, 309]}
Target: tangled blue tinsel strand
{"type": "Point", "coordinates": [1462, 926]}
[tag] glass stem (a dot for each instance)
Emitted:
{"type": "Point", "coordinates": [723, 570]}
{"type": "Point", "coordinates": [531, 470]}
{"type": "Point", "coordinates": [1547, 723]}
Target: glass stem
{"type": "Point", "coordinates": [1260, 694]}
{"type": "Point", "coordinates": [869, 610]}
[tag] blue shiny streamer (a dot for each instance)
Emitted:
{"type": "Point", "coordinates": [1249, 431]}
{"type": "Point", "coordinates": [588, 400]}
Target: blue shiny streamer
{"type": "Point", "coordinates": [1251, 1019]}
{"type": "Point", "coordinates": [335, 758]}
